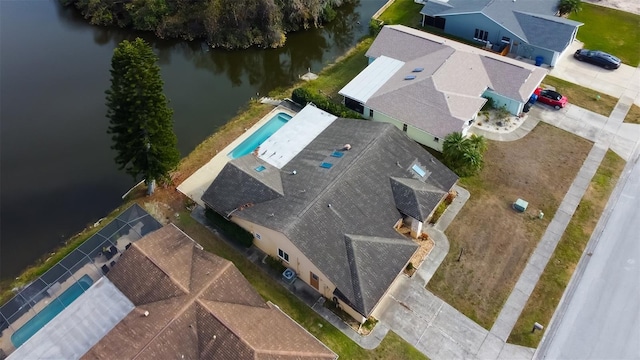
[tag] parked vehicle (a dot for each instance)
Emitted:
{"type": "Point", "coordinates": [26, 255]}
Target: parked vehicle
{"type": "Point", "coordinates": [599, 58]}
{"type": "Point", "coordinates": [552, 98]}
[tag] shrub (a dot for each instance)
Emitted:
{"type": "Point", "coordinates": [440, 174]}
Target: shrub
{"type": "Point", "coordinates": [275, 264]}
{"type": "Point", "coordinates": [438, 212]}
{"type": "Point", "coordinates": [230, 229]}
{"type": "Point", "coordinates": [304, 96]}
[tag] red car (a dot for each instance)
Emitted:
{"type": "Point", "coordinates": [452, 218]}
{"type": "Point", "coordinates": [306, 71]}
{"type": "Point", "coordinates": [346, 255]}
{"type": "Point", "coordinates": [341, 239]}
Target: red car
{"type": "Point", "coordinates": [551, 98]}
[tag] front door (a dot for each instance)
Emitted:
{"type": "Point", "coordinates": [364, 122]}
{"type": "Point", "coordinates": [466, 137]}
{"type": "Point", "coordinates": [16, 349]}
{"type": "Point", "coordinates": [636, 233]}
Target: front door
{"type": "Point", "coordinates": [315, 282]}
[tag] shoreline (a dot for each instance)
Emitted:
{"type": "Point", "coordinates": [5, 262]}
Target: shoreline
{"type": "Point", "coordinates": [167, 195]}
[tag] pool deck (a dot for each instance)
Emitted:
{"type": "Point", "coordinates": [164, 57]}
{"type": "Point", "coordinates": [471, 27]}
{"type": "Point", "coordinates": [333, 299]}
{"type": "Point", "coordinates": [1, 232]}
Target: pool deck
{"type": "Point", "coordinates": [196, 184]}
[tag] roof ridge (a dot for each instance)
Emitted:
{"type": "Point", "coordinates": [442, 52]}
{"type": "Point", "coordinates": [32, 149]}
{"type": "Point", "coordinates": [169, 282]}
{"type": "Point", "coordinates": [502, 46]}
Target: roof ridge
{"type": "Point", "coordinates": [179, 313]}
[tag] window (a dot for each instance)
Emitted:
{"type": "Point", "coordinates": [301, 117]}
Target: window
{"type": "Point", "coordinates": [418, 170]}
{"type": "Point", "coordinates": [354, 105]}
{"type": "Point", "coordinates": [370, 112]}
{"type": "Point", "coordinates": [258, 236]}
{"type": "Point", "coordinates": [506, 40]}
{"type": "Point", "coordinates": [481, 35]}
{"type": "Point", "coordinates": [404, 127]}
{"type": "Point", "coordinates": [436, 139]}
{"type": "Point", "coordinates": [283, 255]}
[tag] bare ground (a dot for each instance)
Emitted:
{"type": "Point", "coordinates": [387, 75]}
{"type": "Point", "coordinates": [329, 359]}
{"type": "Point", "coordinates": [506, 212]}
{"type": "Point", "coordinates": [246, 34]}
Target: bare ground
{"type": "Point", "coordinates": [495, 240]}
{"type": "Point", "coordinates": [632, 6]}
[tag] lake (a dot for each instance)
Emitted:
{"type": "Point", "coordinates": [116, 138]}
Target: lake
{"type": "Point", "coordinates": [57, 173]}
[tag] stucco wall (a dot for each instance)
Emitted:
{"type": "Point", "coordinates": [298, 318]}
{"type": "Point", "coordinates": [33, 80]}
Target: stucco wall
{"type": "Point", "coordinates": [513, 106]}
{"type": "Point", "coordinates": [464, 26]}
{"type": "Point", "coordinates": [269, 242]}
{"type": "Point", "coordinates": [414, 133]}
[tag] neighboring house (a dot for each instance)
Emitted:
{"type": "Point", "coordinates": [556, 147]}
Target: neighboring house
{"type": "Point", "coordinates": [528, 28]}
{"type": "Point", "coordinates": [329, 213]}
{"type": "Point", "coordinates": [166, 298]}
{"type": "Point", "coordinates": [429, 86]}
{"type": "Point", "coordinates": [199, 307]}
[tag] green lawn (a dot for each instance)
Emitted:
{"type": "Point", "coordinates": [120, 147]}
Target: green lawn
{"type": "Point", "coordinates": [556, 275]}
{"type": "Point", "coordinates": [581, 96]}
{"type": "Point", "coordinates": [633, 116]}
{"type": "Point", "coordinates": [402, 12]}
{"type": "Point", "coordinates": [614, 31]}
{"type": "Point", "coordinates": [392, 346]}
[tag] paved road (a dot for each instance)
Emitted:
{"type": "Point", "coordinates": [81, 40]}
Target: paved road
{"type": "Point", "coordinates": [600, 316]}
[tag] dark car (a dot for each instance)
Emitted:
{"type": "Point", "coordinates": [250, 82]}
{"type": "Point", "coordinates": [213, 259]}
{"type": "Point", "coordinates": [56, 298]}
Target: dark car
{"type": "Point", "coordinates": [552, 98]}
{"type": "Point", "coordinates": [599, 58]}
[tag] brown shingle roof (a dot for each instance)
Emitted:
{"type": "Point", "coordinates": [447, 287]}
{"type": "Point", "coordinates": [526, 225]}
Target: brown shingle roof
{"type": "Point", "coordinates": [199, 307]}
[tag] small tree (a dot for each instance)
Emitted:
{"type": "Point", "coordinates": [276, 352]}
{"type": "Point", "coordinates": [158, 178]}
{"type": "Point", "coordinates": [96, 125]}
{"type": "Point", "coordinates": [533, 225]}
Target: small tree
{"type": "Point", "coordinates": [141, 122]}
{"type": "Point", "coordinates": [464, 155]}
{"type": "Point", "coordinates": [569, 6]}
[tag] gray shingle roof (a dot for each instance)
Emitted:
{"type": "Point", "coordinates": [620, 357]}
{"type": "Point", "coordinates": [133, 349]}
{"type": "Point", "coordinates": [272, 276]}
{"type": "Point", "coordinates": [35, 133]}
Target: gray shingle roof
{"type": "Point", "coordinates": [549, 32]}
{"type": "Point", "coordinates": [447, 93]}
{"type": "Point", "coordinates": [362, 204]}
{"type": "Point", "coordinates": [533, 21]}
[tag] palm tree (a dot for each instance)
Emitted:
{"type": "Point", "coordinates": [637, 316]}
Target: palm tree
{"type": "Point", "coordinates": [464, 155]}
{"type": "Point", "coordinates": [569, 6]}
{"type": "Point", "coordinates": [479, 142]}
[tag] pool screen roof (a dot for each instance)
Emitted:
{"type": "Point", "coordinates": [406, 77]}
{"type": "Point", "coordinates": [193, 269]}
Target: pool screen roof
{"type": "Point", "coordinates": [80, 326]}
{"type": "Point", "coordinates": [294, 136]}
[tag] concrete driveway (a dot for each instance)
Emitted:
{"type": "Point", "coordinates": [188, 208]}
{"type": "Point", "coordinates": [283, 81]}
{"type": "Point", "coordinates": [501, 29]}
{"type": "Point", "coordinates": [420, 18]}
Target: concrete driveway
{"type": "Point", "coordinates": [623, 81]}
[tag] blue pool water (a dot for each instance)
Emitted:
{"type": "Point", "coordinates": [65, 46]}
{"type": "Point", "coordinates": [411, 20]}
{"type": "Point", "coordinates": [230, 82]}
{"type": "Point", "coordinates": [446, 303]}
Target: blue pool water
{"type": "Point", "coordinates": [50, 311]}
{"type": "Point", "coordinates": [258, 137]}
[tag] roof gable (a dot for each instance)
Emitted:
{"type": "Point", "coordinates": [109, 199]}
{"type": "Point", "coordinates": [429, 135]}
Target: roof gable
{"type": "Point", "coordinates": [368, 256]}
{"type": "Point", "coordinates": [248, 180]}
{"type": "Point", "coordinates": [549, 32]}
{"type": "Point", "coordinates": [415, 198]}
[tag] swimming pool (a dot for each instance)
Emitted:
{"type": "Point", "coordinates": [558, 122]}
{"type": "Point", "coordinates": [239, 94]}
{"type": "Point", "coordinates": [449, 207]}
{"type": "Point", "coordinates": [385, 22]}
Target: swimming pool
{"type": "Point", "coordinates": [258, 137]}
{"type": "Point", "coordinates": [50, 311]}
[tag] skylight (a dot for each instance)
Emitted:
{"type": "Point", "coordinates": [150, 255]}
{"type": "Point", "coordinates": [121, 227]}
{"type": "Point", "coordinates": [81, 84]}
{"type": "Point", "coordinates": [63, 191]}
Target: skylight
{"type": "Point", "coordinates": [420, 171]}
{"type": "Point", "coordinates": [418, 69]}
{"type": "Point", "coordinates": [260, 168]}
{"type": "Point", "coordinates": [409, 77]}
{"type": "Point", "coordinates": [326, 165]}
{"type": "Point", "coordinates": [337, 154]}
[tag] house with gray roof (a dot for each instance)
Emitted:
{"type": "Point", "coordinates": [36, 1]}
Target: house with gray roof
{"type": "Point", "coordinates": [332, 212]}
{"type": "Point", "coordinates": [429, 86]}
{"type": "Point", "coordinates": [527, 28]}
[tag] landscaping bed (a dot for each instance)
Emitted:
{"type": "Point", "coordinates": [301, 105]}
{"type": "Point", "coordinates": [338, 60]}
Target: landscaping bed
{"type": "Point", "coordinates": [496, 241]}
{"type": "Point", "coordinates": [557, 274]}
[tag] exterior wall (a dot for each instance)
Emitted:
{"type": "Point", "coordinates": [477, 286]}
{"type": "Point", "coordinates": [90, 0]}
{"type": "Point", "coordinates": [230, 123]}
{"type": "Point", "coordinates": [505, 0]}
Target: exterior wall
{"type": "Point", "coordinates": [414, 133]}
{"type": "Point", "coordinates": [513, 106]}
{"type": "Point", "coordinates": [464, 26]}
{"type": "Point", "coordinates": [270, 241]}
{"type": "Point", "coordinates": [531, 52]}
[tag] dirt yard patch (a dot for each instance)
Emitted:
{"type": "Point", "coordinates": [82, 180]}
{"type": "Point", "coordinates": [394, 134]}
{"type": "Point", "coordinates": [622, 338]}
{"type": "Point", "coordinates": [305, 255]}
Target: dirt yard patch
{"type": "Point", "coordinates": [495, 240]}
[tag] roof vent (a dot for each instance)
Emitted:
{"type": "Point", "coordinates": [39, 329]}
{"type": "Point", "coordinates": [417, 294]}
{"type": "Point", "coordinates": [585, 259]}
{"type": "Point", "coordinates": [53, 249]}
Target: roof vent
{"type": "Point", "coordinates": [294, 172]}
{"type": "Point", "coordinates": [418, 69]}
{"type": "Point", "coordinates": [409, 77]}
{"type": "Point", "coordinates": [346, 147]}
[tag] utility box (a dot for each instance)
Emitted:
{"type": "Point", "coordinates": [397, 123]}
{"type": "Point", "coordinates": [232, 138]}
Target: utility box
{"type": "Point", "coordinates": [520, 205]}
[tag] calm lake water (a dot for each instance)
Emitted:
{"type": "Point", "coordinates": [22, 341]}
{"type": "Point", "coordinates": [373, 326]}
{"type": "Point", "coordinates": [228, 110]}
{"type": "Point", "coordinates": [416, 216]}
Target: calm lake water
{"type": "Point", "coordinates": [57, 172]}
